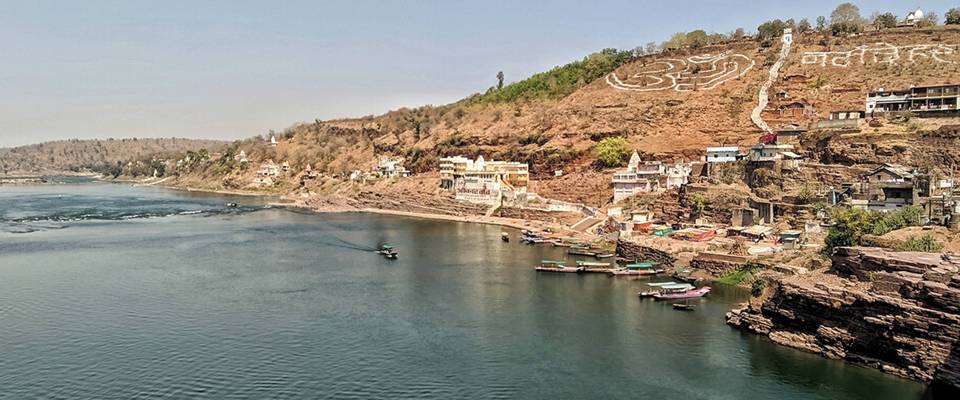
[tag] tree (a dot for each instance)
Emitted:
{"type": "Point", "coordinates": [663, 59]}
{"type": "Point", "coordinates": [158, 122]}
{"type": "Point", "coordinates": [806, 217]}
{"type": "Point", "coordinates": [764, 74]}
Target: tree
{"type": "Point", "coordinates": [739, 33]}
{"type": "Point", "coordinates": [929, 19]}
{"type": "Point", "coordinates": [845, 19]}
{"type": "Point", "coordinates": [885, 21]}
{"type": "Point", "coordinates": [611, 151]}
{"type": "Point", "coordinates": [651, 48]}
{"type": "Point", "coordinates": [771, 29]}
{"type": "Point", "coordinates": [697, 39]}
{"type": "Point", "coordinates": [821, 23]}
{"type": "Point", "coordinates": [803, 26]}
{"type": "Point", "coordinates": [677, 41]}
{"type": "Point", "coordinates": [952, 17]}
{"type": "Point", "coordinates": [499, 80]}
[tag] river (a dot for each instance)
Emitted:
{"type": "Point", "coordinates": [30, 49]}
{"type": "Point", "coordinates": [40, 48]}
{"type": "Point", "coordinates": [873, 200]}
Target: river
{"type": "Point", "coordinates": [109, 291]}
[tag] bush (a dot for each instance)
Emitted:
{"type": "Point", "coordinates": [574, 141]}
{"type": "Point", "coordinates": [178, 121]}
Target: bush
{"type": "Point", "coordinates": [756, 288]}
{"type": "Point", "coordinates": [925, 243]}
{"type": "Point", "coordinates": [612, 151]}
{"type": "Point", "coordinates": [850, 224]}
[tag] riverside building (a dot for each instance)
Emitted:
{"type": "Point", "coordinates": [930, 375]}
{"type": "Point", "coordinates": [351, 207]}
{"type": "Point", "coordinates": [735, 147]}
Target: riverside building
{"type": "Point", "coordinates": [481, 181]}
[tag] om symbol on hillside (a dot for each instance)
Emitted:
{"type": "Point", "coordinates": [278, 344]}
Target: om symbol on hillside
{"type": "Point", "coordinates": [703, 72]}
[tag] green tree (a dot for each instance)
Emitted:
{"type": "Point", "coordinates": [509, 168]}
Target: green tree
{"type": "Point", "coordinates": [885, 21]}
{"type": "Point", "coordinates": [804, 26]}
{"type": "Point", "coordinates": [697, 39]}
{"type": "Point", "coordinates": [771, 29]}
{"type": "Point", "coordinates": [499, 80]}
{"type": "Point", "coordinates": [952, 17]}
{"type": "Point", "coordinates": [612, 151]}
{"type": "Point", "coordinates": [821, 23]}
{"type": "Point", "coordinates": [846, 19]}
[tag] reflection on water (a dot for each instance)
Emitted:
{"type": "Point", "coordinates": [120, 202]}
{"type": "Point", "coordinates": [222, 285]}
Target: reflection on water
{"type": "Point", "coordinates": [276, 304]}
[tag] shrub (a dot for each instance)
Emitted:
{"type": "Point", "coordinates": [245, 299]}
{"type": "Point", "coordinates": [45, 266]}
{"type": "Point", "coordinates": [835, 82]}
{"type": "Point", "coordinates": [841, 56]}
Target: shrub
{"type": "Point", "coordinates": [925, 243]}
{"type": "Point", "coordinates": [850, 224]}
{"type": "Point", "coordinates": [612, 151]}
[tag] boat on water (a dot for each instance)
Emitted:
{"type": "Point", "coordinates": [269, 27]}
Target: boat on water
{"type": "Point", "coordinates": [388, 252]}
{"type": "Point", "coordinates": [232, 205]}
{"type": "Point", "coordinates": [637, 269]}
{"type": "Point", "coordinates": [531, 237]}
{"type": "Point", "coordinates": [664, 287]}
{"type": "Point", "coordinates": [594, 267]}
{"type": "Point", "coordinates": [505, 236]}
{"type": "Point", "coordinates": [683, 306]}
{"type": "Point", "coordinates": [680, 295]}
{"type": "Point", "coordinates": [556, 266]}
{"type": "Point", "coordinates": [605, 255]}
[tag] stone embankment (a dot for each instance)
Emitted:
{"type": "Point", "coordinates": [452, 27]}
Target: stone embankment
{"type": "Point", "coordinates": [895, 311]}
{"type": "Point", "coordinates": [633, 251]}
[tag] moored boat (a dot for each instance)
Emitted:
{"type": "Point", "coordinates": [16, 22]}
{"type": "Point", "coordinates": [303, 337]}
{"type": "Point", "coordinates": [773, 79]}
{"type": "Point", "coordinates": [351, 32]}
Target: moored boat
{"type": "Point", "coordinates": [505, 236]}
{"type": "Point", "coordinates": [685, 294]}
{"type": "Point", "coordinates": [556, 266]}
{"type": "Point", "coordinates": [637, 269]}
{"type": "Point", "coordinates": [683, 307]}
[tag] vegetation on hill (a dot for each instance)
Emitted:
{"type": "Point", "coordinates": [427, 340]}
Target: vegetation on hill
{"type": "Point", "coordinates": [559, 81]}
{"type": "Point", "coordinates": [851, 224]}
{"type": "Point", "coordinates": [98, 154]}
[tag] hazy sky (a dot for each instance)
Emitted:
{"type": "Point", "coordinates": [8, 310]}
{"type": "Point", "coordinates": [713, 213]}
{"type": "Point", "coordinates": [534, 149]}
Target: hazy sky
{"type": "Point", "coordinates": [231, 69]}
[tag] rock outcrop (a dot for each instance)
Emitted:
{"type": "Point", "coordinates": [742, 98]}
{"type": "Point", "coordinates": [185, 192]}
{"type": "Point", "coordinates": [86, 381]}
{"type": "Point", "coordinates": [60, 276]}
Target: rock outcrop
{"type": "Point", "coordinates": [895, 311]}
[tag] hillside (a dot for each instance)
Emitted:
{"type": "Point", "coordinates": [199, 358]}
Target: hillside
{"type": "Point", "coordinates": [669, 105]}
{"type": "Point", "coordinates": [76, 155]}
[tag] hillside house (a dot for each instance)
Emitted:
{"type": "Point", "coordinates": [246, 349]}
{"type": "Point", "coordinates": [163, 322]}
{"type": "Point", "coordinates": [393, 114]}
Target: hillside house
{"type": "Point", "coordinates": [273, 140]}
{"type": "Point", "coordinates": [639, 177]}
{"type": "Point", "coordinates": [677, 175]}
{"type": "Point", "coordinates": [388, 167]}
{"type": "Point", "coordinates": [722, 154]}
{"type": "Point", "coordinates": [241, 157]}
{"type": "Point", "coordinates": [891, 186]}
{"type": "Point", "coordinates": [922, 101]}
{"type": "Point", "coordinates": [268, 169]}
{"type": "Point", "coordinates": [913, 18]}
{"type": "Point", "coordinates": [789, 133]}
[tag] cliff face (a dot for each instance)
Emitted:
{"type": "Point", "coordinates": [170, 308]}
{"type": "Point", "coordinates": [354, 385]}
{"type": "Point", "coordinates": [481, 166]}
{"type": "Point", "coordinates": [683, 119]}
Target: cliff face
{"type": "Point", "coordinates": [895, 311]}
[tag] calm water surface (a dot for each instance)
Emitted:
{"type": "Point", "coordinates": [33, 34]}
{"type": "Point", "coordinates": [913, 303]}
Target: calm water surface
{"type": "Point", "coordinates": [115, 292]}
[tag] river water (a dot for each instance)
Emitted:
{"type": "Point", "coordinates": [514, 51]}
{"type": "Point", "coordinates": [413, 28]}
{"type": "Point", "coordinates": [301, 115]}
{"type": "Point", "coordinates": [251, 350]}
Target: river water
{"type": "Point", "coordinates": [115, 292]}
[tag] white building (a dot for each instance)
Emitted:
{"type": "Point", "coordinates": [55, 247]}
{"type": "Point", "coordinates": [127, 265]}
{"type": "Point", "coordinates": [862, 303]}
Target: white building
{"type": "Point", "coordinates": [273, 140]}
{"type": "Point", "coordinates": [268, 168]}
{"type": "Point", "coordinates": [481, 181]}
{"type": "Point", "coordinates": [639, 177]}
{"type": "Point", "coordinates": [722, 154]}
{"type": "Point", "coordinates": [914, 17]}
{"type": "Point", "coordinates": [242, 157]}
{"type": "Point", "coordinates": [388, 167]}
{"type": "Point", "coordinates": [677, 174]}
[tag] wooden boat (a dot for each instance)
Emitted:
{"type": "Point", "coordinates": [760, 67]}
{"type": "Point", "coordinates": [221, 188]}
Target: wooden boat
{"type": "Point", "coordinates": [607, 255]}
{"type": "Point", "coordinates": [388, 252]}
{"type": "Point", "coordinates": [636, 272]}
{"type": "Point", "coordinates": [594, 267]}
{"type": "Point", "coordinates": [581, 252]}
{"type": "Point", "coordinates": [685, 278]}
{"type": "Point", "coordinates": [683, 307]}
{"type": "Point", "coordinates": [637, 269]}
{"type": "Point", "coordinates": [664, 287]}
{"type": "Point", "coordinates": [505, 236]}
{"type": "Point", "coordinates": [679, 295]}
{"type": "Point", "coordinates": [556, 266]}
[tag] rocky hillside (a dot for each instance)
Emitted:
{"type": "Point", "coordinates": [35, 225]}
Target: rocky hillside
{"type": "Point", "coordinates": [77, 155]}
{"type": "Point", "coordinates": [897, 312]}
{"type": "Point", "coordinates": [669, 105]}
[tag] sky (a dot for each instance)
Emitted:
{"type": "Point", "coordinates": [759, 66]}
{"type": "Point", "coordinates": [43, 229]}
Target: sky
{"type": "Point", "coordinates": [235, 69]}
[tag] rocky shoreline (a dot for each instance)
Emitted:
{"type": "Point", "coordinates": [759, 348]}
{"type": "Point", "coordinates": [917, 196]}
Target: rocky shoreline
{"type": "Point", "coordinates": [895, 311]}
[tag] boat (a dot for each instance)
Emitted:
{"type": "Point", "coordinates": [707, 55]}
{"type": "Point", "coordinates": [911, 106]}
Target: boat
{"type": "Point", "coordinates": [683, 307]}
{"type": "Point", "coordinates": [637, 269]}
{"type": "Point", "coordinates": [505, 236]}
{"type": "Point", "coordinates": [581, 252]}
{"type": "Point", "coordinates": [388, 252]}
{"type": "Point", "coordinates": [685, 278]}
{"type": "Point", "coordinates": [594, 267]}
{"type": "Point", "coordinates": [679, 295]}
{"type": "Point", "coordinates": [606, 255]}
{"type": "Point", "coordinates": [664, 287]}
{"type": "Point", "coordinates": [556, 266]}
{"type": "Point", "coordinates": [232, 205]}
